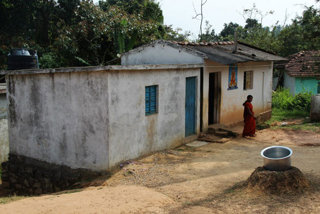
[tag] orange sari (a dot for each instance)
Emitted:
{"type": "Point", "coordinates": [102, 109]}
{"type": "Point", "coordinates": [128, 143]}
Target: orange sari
{"type": "Point", "coordinates": [249, 121]}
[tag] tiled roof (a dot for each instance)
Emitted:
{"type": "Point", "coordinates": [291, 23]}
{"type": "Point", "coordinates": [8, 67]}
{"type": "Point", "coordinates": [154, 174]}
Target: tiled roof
{"type": "Point", "coordinates": [204, 43]}
{"type": "Point", "coordinates": [221, 52]}
{"type": "Point", "coordinates": [225, 53]}
{"type": "Point", "coordinates": [304, 64]}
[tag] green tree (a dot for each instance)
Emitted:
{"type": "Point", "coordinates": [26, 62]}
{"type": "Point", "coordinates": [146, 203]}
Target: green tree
{"type": "Point", "coordinates": [228, 30]}
{"type": "Point", "coordinates": [78, 32]}
{"type": "Point", "coordinates": [302, 34]}
{"type": "Point", "coordinates": [290, 39]}
{"type": "Point", "coordinates": [100, 33]}
{"type": "Point", "coordinates": [175, 35]}
{"type": "Point", "coordinates": [252, 24]}
{"type": "Point", "coordinates": [310, 24]}
{"type": "Point", "coordinates": [209, 35]}
{"type": "Point", "coordinates": [148, 9]}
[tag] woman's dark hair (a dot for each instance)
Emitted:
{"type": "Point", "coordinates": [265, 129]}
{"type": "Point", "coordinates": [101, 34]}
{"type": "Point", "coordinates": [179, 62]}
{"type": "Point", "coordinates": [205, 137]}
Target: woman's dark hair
{"type": "Point", "coordinates": [248, 97]}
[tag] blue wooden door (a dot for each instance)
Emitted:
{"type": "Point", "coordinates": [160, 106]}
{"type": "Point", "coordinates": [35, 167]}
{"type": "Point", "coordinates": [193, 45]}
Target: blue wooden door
{"type": "Point", "coordinates": [191, 89]}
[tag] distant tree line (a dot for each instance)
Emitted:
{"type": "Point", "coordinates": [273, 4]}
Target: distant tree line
{"type": "Point", "coordinates": [302, 34]}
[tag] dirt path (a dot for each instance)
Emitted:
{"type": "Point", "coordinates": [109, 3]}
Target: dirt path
{"type": "Point", "coordinates": [205, 179]}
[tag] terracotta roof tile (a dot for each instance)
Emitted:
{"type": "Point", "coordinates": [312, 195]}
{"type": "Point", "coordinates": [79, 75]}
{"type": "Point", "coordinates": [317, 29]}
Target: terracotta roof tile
{"type": "Point", "coordinates": [304, 63]}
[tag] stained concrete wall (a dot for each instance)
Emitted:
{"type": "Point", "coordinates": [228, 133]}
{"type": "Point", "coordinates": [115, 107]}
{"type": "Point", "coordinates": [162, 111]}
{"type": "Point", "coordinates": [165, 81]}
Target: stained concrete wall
{"type": "Point", "coordinates": [231, 100]}
{"type": "Point", "coordinates": [132, 133]}
{"type": "Point", "coordinates": [95, 119]}
{"type": "Point", "coordinates": [290, 83]}
{"type": "Point", "coordinates": [315, 108]}
{"type": "Point", "coordinates": [60, 118]}
{"type": "Point", "coordinates": [3, 106]}
{"type": "Point", "coordinates": [4, 141]}
{"type": "Point", "coordinates": [160, 54]}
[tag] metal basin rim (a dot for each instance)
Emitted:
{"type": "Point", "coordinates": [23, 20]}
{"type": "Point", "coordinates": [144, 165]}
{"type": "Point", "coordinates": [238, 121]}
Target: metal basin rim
{"type": "Point", "coordinates": [271, 147]}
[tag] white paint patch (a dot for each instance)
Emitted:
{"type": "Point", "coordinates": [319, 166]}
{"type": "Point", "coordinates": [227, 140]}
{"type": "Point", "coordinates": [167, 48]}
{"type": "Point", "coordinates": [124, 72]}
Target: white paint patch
{"type": "Point", "coordinates": [160, 54]}
{"type": "Point", "coordinates": [197, 144]}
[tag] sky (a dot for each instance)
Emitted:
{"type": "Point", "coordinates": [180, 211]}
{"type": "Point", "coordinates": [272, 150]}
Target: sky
{"type": "Point", "coordinates": [180, 13]}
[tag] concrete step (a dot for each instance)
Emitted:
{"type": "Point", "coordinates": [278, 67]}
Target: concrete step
{"type": "Point", "coordinates": [221, 131]}
{"type": "Point", "coordinates": [212, 138]}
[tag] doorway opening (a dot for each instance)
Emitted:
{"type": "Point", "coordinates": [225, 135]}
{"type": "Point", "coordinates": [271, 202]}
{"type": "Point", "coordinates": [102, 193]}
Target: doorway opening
{"type": "Point", "coordinates": [214, 97]}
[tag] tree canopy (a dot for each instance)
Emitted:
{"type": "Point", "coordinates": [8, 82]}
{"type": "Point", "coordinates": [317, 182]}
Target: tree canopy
{"type": "Point", "coordinates": [302, 34]}
{"type": "Point", "coordinates": [79, 32]}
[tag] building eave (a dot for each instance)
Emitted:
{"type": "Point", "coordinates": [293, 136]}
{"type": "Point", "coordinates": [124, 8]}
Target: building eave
{"type": "Point", "coordinates": [103, 69]}
{"type": "Point", "coordinates": [303, 74]}
{"type": "Point", "coordinates": [168, 43]}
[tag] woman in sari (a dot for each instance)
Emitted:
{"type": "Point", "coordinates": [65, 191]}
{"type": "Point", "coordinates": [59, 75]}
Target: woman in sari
{"type": "Point", "coordinates": [249, 118]}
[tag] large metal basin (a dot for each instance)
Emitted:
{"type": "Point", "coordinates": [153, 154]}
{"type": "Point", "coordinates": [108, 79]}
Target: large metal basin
{"type": "Point", "coordinates": [276, 158]}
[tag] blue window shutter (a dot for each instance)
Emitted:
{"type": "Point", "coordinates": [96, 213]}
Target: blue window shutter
{"type": "Point", "coordinates": [147, 100]}
{"type": "Point", "coordinates": [151, 99]}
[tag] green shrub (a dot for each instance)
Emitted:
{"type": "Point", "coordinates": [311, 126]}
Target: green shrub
{"type": "Point", "coordinates": [49, 60]}
{"type": "Point", "coordinates": [282, 99]}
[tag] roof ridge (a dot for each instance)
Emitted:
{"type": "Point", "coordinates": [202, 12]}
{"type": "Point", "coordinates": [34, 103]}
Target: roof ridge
{"type": "Point", "coordinates": [221, 52]}
{"type": "Point", "coordinates": [204, 43]}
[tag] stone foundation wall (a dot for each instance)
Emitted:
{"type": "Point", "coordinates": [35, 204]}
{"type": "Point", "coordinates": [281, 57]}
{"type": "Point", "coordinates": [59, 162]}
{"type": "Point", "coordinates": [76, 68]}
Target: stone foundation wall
{"type": "Point", "coordinates": [264, 116]}
{"type": "Point", "coordinates": [27, 176]}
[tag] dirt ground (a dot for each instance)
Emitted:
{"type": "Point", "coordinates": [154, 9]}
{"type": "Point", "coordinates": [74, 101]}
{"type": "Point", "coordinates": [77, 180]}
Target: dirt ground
{"type": "Point", "coordinates": [205, 179]}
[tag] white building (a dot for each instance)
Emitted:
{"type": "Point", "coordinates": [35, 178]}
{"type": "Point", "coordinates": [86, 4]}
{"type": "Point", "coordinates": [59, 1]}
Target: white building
{"type": "Point", "coordinates": [96, 117]}
{"type": "Point", "coordinates": [230, 72]}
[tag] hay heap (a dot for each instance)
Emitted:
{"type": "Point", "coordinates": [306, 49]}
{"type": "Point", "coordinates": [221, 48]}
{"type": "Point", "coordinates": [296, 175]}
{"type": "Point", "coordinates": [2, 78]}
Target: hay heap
{"type": "Point", "coordinates": [277, 182]}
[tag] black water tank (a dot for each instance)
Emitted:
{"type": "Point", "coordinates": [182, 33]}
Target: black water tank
{"type": "Point", "coordinates": [22, 59]}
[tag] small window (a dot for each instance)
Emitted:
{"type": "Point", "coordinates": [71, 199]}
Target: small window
{"type": "Point", "coordinates": [248, 80]}
{"type": "Point", "coordinates": [151, 99]}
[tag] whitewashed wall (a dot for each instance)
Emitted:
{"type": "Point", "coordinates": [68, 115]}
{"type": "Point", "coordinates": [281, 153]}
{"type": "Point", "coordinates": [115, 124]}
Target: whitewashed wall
{"type": "Point", "coordinates": [132, 133]}
{"type": "Point", "coordinates": [96, 119]}
{"type": "Point", "coordinates": [60, 118]}
{"type": "Point", "coordinates": [3, 106]}
{"type": "Point", "coordinates": [160, 54]}
{"type": "Point", "coordinates": [290, 83]}
{"type": "Point", "coordinates": [231, 100]}
{"type": "Point", "coordinates": [4, 141]}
